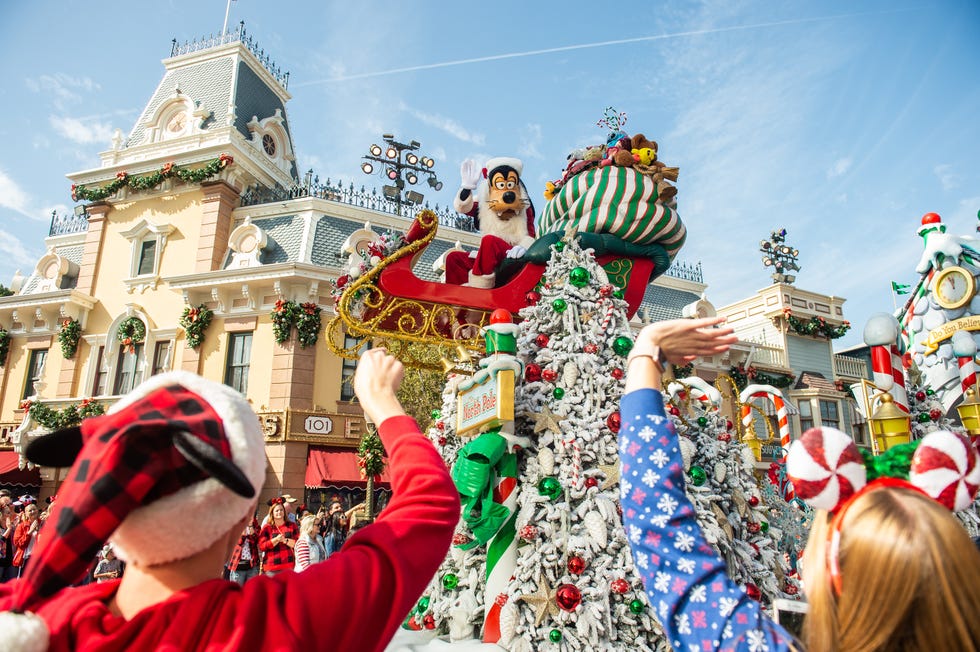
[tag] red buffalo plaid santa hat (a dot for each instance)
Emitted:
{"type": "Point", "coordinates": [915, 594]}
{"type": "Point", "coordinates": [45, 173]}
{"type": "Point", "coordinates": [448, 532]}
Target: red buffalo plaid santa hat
{"type": "Point", "coordinates": [179, 448]}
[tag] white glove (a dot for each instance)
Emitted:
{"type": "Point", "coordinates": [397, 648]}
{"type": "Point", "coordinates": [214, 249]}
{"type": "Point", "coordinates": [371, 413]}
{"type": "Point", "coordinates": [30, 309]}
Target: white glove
{"type": "Point", "coordinates": [469, 174]}
{"type": "Point", "coordinates": [516, 251]}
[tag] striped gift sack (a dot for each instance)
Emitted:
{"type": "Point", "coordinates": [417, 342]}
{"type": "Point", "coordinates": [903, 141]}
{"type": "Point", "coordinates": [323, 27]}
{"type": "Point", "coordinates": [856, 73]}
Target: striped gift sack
{"type": "Point", "coordinates": [615, 200]}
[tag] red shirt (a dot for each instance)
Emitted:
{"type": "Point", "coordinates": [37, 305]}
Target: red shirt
{"type": "Point", "coordinates": [378, 576]}
{"type": "Point", "coordinates": [280, 556]}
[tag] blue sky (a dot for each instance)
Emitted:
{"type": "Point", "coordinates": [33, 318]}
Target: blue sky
{"type": "Point", "coordinates": [843, 122]}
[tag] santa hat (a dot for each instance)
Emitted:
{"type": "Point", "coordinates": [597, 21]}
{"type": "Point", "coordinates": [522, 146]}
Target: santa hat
{"type": "Point", "coordinates": [179, 448]}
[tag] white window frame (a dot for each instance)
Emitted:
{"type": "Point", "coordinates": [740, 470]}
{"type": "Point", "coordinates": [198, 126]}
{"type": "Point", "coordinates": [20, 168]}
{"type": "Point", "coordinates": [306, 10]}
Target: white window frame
{"type": "Point", "coordinates": [143, 232]}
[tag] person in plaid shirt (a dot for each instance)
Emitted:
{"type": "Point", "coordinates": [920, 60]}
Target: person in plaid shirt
{"type": "Point", "coordinates": [244, 562]}
{"type": "Point", "coordinates": [182, 449]}
{"type": "Point", "coordinates": [277, 540]}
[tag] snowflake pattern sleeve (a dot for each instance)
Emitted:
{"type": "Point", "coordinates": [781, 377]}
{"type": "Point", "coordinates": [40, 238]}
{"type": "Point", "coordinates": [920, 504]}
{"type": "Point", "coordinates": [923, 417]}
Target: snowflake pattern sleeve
{"type": "Point", "coordinates": [699, 606]}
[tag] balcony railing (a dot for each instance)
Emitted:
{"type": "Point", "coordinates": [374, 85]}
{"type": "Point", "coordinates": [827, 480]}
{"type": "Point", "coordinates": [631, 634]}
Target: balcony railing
{"type": "Point", "coordinates": [6, 428]}
{"type": "Point", "coordinates": [65, 224]}
{"type": "Point", "coordinates": [686, 271]}
{"type": "Point", "coordinates": [849, 367]}
{"type": "Point", "coordinates": [211, 41]}
{"type": "Point", "coordinates": [767, 355]}
{"type": "Point", "coordinates": [362, 198]}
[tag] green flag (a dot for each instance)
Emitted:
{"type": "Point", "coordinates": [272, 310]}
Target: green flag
{"type": "Point", "coordinates": [901, 288]}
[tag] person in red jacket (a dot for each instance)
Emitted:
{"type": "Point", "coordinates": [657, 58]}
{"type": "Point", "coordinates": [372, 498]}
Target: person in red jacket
{"type": "Point", "coordinates": [25, 537]}
{"type": "Point", "coordinates": [244, 562]}
{"type": "Point", "coordinates": [184, 449]}
{"type": "Point", "coordinates": [277, 540]}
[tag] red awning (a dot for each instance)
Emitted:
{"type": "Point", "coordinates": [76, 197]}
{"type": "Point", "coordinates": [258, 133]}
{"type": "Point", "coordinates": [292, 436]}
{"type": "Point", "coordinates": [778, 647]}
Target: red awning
{"type": "Point", "coordinates": [11, 475]}
{"type": "Point", "coordinates": [336, 466]}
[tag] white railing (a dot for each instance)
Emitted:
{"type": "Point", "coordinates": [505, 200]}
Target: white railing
{"type": "Point", "coordinates": [767, 355]}
{"type": "Point", "coordinates": [849, 367]}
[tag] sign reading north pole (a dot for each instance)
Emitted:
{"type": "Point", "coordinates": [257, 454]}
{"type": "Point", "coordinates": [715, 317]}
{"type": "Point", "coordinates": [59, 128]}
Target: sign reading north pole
{"type": "Point", "coordinates": [487, 404]}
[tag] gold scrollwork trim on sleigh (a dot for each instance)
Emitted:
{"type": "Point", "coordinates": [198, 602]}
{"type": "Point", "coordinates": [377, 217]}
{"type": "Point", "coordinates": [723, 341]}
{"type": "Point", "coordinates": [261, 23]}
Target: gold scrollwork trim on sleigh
{"type": "Point", "coordinates": [618, 271]}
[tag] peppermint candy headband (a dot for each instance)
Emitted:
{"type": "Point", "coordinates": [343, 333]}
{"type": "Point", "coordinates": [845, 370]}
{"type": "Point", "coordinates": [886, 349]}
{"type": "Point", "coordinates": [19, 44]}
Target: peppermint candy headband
{"type": "Point", "coordinates": [827, 469]}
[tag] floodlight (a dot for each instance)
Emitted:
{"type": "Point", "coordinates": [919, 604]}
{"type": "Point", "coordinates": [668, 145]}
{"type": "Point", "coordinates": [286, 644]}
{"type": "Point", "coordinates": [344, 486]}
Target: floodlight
{"type": "Point", "coordinates": [390, 192]}
{"type": "Point", "coordinates": [367, 167]}
{"type": "Point", "coordinates": [392, 173]}
{"type": "Point", "coordinates": [81, 210]}
{"type": "Point", "coordinates": [412, 179]}
{"type": "Point", "coordinates": [391, 152]}
{"type": "Point", "coordinates": [412, 159]}
{"type": "Point", "coordinates": [413, 197]}
{"type": "Point", "coordinates": [376, 150]}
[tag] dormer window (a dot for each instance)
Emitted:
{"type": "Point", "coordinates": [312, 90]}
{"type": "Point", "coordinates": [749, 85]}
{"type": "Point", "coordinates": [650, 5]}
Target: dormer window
{"type": "Point", "coordinates": [147, 244]}
{"type": "Point", "coordinates": [177, 124]}
{"type": "Point", "coordinates": [269, 145]}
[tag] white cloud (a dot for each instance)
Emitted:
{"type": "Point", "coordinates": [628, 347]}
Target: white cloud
{"type": "Point", "coordinates": [64, 88]}
{"type": "Point", "coordinates": [840, 167]}
{"type": "Point", "coordinates": [84, 132]}
{"type": "Point", "coordinates": [14, 198]}
{"type": "Point", "coordinates": [946, 177]}
{"type": "Point", "coordinates": [530, 142]}
{"type": "Point", "coordinates": [447, 125]}
{"type": "Point", "coordinates": [14, 252]}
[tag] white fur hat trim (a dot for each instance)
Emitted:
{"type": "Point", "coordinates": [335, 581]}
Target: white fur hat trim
{"type": "Point", "coordinates": [496, 162]}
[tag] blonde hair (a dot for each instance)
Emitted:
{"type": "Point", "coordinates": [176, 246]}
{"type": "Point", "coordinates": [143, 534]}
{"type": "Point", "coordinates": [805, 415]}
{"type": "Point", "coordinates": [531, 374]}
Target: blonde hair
{"type": "Point", "coordinates": [910, 578]}
{"type": "Point", "coordinates": [272, 508]}
{"type": "Point", "coordinates": [307, 525]}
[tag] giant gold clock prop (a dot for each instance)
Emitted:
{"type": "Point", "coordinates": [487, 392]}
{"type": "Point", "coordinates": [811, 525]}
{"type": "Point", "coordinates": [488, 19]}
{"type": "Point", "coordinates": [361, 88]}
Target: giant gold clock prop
{"type": "Point", "coordinates": [954, 287]}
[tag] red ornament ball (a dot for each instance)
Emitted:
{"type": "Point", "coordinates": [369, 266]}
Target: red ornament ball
{"type": "Point", "coordinates": [459, 539]}
{"type": "Point", "coordinates": [542, 340]}
{"type": "Point", "coordinates": [931, 218]}
{"type": "Point", "coordinates": [532, 298]}
{"type": "Point", "coordinates": [550, 375]}
{"type": "Point", "coordinates": [620, 586]}
{"type": "Point", "coordinates": [729, 425]}
{"type": "Point", "coordinates": [725, 437]}
{"type": "Point", "coordinates": [441, 425]}
{"type": "Point", "coordinates": [606, 290]}
{"type": "Point", "coordinates": [753, 527]}
{"type": "Point", "coordinates": [576, 565]}
{"type": "Point", "coordinates": [568, 597]}
{"type": "Point", "coordinates": [529, 533]}
{"type": "Point", "coordinates": [591, 482]}
{"type": "Point", "coordinates": [501, 316]}
{"type": "Point", "coordinates": [619, 509]}
{"type": "Point", "coordinates": [920, 395]}
{"type": "Point", "coordinates": [674, 411]}
{"type": "Point", "coordinates": [935, 414]}
{"type": "Point", "coordinates": [616, 373]}
{"type": "Point", "coordinates": [614, 422]}
{"type": "Point", "coordinates": [590, 348]}
{"type": "Point", "coordinates": [501, 599]}
{"type": "Point", "coordinates": [753, 591]}
{"type": "Point", "coordinates": [753, 500]}
{"type": "Point", "coordinates": [791, 589]}
{"type": "Point", "coordinates": [429, 621]}
{"type": "Point", "coordinates": [532, 372]}
{"type": "Point", "coordinates": [442, 441]}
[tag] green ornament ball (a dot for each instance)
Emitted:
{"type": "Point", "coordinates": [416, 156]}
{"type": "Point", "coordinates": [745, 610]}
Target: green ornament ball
{"type": "Point", "coordinates": [549, 487]}
{"type": "Point", "coordinates": [423, 604]}
{"type": "Point", "coordinates": [579, 277]}
{"type": "Point", "coordinates": [923, 417]}
{"type": "Point", "coordinates": [558, 393]}
{"type": "Point", "coordinates": [622, 345]}
{"type": "Point", "coordinates": [559, 246]}
{"type": "Point", "coordinates": [559, 305]}
{"type": "Point", "coordinates": [436, 414]}
{"type": "Point", "coordinates": [619, 294]}
{"type": "Point", "coordinates": [930, 392]}
{"type": "Point", "coordinates": [698, 475]}
{"type": "Point", "coordinates": [450, 581]}
{"type": "Point", "coordinates": [637, 606]}
{"type": "Point", "coordinates": [702, 421]}
{"type": "Point", "coordinates": [764, 526]}
{"type": "Point", "coordinates": [554, 636]}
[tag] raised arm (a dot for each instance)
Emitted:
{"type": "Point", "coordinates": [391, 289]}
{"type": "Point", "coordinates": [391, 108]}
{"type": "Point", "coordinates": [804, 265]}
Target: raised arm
{"type": "Point", "coordinates": [698, 605]}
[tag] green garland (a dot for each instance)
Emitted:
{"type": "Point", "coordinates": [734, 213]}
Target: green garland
{"type": "Point", "coordinates": [195, 322]}
{"type": "Point", "coordinates": [69, 416]}
{"type": "Point", "coordinates": [283, 318]}
{"type": "Point", "coordinates": [5, 291]}
{"type": "Point", "coordinates": [4, 346]}
{"type": "Point", "coordinates": [308, 324]}
{"type": "Point", "coordinates": [68, 336]}
{"type": "Point", "coordinates": [817, 326]}
{"type": "Point", "coordinates": [743, 377]}
{"type": "Point", "coordinates": [131, 332]}
{"type": "Point", "coordinates": [151, 179]}
{"type": "Point", "coordinates": [371, 455]}
{"type": "Point", "coordinates": [684, 371]}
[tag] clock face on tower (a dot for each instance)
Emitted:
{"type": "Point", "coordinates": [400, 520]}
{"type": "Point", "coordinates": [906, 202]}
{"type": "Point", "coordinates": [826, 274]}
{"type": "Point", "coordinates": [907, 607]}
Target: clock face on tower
{"type": "Point", "coordinates": [954, 287]}
{"type": "Point", "coordinates": [177, 123]}
{"type": "Point", "coordinates": [269, 145]}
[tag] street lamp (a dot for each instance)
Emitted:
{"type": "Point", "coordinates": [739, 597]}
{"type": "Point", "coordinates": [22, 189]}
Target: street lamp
{"type": "Point", "coordinates": [780, 256]}
{"type": "Point", "coordinates": [400, 163]}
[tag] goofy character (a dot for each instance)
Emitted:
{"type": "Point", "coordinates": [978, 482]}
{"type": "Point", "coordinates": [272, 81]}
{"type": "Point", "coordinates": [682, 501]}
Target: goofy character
{"type": "Point", "coordinates": [503, 212]}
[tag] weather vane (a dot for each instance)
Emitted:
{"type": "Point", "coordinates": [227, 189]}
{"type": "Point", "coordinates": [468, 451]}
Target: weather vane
{"type": "Point", "coordinates": [780, 256]}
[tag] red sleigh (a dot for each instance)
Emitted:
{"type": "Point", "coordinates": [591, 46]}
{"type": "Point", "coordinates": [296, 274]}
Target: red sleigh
{"type": "Point", "coordinates": [425, 322]}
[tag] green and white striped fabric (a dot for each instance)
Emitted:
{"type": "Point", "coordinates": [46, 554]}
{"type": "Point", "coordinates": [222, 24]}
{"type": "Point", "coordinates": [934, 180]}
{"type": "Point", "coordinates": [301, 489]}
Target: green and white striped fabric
{"type": "Point", "coordinates": [614, 200]}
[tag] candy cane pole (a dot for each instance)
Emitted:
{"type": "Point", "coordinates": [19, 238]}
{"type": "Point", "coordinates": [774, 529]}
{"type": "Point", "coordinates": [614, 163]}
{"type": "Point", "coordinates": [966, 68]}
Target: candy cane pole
{"type": "Point", "coordinates": [501, 555]}
{"type": "Point", "coordinates": [782, 415]}
{"type": "Point", "coordinates": [889, 375]}
{"type": "Point", "coordinates": [968, 372]}
{"type": "Point", "coordinates": [898, 374]}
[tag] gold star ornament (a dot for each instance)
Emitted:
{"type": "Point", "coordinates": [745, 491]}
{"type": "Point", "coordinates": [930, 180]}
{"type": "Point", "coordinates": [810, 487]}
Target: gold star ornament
{"type": "Point", "coordinates": [543, 601]}
{"type": "Point", "coordinates": [545, 420]}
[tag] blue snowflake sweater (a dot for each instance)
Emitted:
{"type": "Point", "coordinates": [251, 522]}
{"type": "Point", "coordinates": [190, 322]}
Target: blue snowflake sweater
{"type": "Point", "coordinates": [700, 608]}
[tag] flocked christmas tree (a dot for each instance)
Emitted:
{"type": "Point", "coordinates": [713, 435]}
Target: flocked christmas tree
{"type": "Point", "coordinates": [574, 585]}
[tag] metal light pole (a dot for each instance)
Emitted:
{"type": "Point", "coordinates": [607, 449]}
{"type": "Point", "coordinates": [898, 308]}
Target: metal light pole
{"type": "Point", "coordinates": [400, 164]}
{"type": "Point", "coordinates": [780, 256]}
